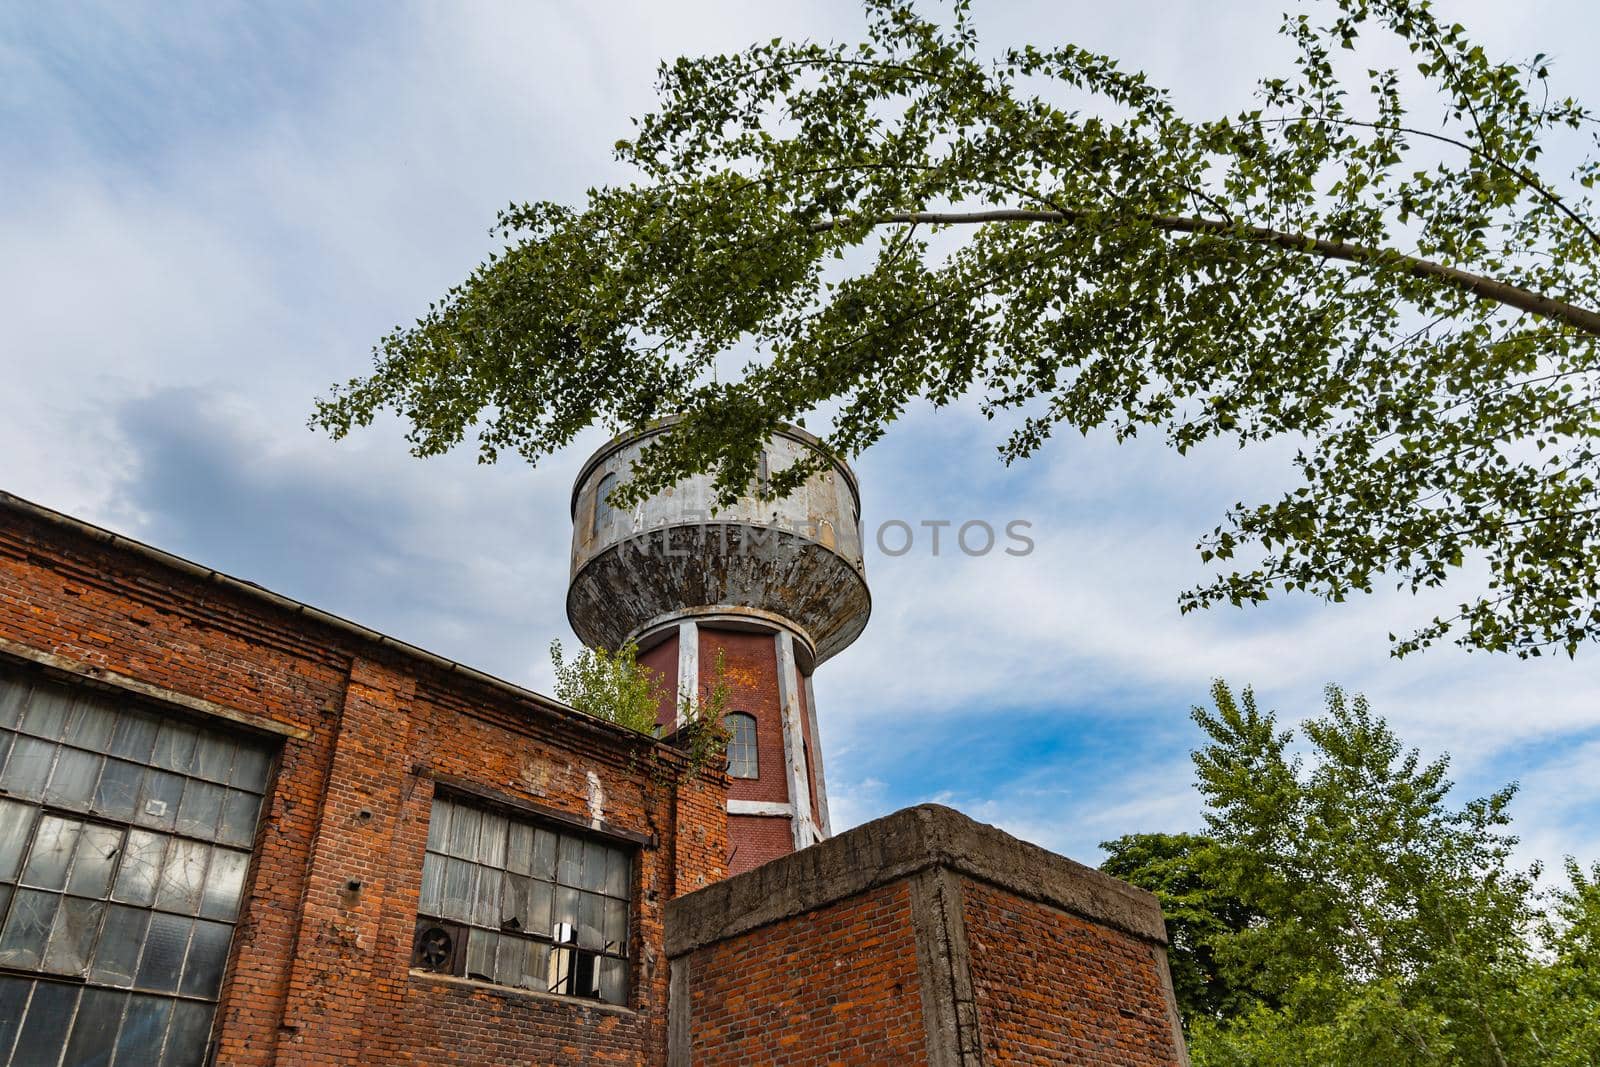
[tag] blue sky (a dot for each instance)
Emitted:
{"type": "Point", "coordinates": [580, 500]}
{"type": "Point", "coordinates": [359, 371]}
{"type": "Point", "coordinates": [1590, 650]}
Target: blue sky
{"type": "Point", "coordinates": [211, 212]}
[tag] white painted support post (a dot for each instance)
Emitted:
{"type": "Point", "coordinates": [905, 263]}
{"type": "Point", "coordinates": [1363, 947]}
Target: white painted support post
{"type": "Point", "coordinates": [824, 831]}
{"type": "Point", "coordinates": [794, 749]}
{"type": "Point", "coordinates": [688, 668]}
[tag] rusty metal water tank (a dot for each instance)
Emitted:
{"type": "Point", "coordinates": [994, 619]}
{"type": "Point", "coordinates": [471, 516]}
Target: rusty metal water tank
{"type": "Point", "coordinates": [796, 562]}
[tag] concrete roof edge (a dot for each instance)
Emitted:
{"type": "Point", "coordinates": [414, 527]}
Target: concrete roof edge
{"type": "Point", "coordinates": [892, 848]}
{"type": "Point", "coordinates": [163, 558]}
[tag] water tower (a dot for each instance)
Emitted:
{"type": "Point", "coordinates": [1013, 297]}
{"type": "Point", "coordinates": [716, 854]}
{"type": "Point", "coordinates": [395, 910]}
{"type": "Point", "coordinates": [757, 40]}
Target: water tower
{"type": "Point", "coordinates": [775, 587]}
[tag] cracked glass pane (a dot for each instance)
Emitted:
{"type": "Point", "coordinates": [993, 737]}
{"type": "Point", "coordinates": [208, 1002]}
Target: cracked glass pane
{"type": "Point", "coordinates": [566, 912]}
{"type": "Point", "coordinates": [141, 866]}
{"type": "Point", "coordinates": [27, 927]}
{"type": "Point", "coordinates": [51, 854]}
{"type": "Point", "coordinates": [98, 847]}
{"type": "Point", "coordinates": [480, 955]}
{"type": "Point", "coordinates": [183, 876]}
{"type": "Point", "coordinates": [72, 937]}
{"type": "Point", "coordinates": [591, 921]}
{"type": "Point", "coordinates": [116, 957]}
{"type": "Point", "coordinates": [614, 981]}
{"type": "Point", "coordinates": [545, 847]}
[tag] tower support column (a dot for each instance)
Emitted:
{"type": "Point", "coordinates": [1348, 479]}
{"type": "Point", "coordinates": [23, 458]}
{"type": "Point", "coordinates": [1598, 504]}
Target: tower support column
{"type": "Point", "coordinates": [794, 747]}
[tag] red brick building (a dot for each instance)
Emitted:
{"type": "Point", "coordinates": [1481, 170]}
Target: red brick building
{"type": "Point", "coordinates": [235, 829]}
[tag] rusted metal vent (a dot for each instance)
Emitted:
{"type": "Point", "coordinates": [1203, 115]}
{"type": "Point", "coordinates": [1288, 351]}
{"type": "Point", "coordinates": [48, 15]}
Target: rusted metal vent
{"type": "Point", "coordinates": [796, 562]}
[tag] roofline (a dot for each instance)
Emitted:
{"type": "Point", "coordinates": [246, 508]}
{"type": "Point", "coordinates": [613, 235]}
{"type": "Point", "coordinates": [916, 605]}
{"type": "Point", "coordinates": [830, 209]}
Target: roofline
{"type": "Point", "coordinates": [662, 425]}
{"type": "Point", "coordinates": [163, 558]}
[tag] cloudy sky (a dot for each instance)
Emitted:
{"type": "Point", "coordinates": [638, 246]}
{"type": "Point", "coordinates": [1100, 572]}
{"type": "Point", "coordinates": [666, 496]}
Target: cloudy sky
{"type": "Point", "coordinates": [211, 211]}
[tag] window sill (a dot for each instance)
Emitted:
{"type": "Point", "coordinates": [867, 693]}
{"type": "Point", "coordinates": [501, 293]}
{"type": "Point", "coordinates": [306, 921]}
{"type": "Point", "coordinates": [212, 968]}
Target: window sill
{"type": "Point", "coordinates": [524, 994]}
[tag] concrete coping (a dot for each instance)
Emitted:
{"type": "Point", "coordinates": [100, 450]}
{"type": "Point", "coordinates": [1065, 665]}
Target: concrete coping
{"type": "Point", "coordinates": [891, 849]}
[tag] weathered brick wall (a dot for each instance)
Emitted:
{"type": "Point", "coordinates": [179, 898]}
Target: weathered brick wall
{"type": "Point", "coordinates": [320, 971]}
{"type": "Point", "coordinates": [922, 937]}
{"type": "Point", "coordinates": [837, 985]}
{"type": "Point", "coordinates": [1053, 988]}
{"type": "Point", "coordinates": [750, 666]}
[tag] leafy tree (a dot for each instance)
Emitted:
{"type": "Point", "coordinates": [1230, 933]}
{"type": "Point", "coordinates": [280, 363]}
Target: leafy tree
{"type": "Point", "coordinates": [1343, 912]}
{"type": "Point", "coordinates": [616, 687]}
{"type": "Point", "coordinates": [1376, 264]}
{"type": "Point", "coordinates": [1183, 871]}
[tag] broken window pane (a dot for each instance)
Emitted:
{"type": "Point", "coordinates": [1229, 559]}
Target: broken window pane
{"type": "Point", "coordinates": [224, 883]}
{"type": "Point", "coordinates": [566, 911]}
{"type": "Point", "coordinates": [16, 824]}
{"type": "Point", "coordinates": [166, 943]}
{"type": "Point", "coordinates": [515, 892]}
{"type": "Point", "coordinates": [614, 981]}
{"type": "Point", "coordinates": [183, 876]}
{"type": "Point", "coordinates": [545, 846]}
{"type": "Point", "coordinates": [22, 942]}
{"type": "Point", "coordinates": [73, 781]}
{"type": "Point", "coordinates": [480, 955]}
{"type": "Point", "coordinates": [141, 866]}
{"type": "Point", "coordinates": [116, 957]}
{"type": "Point", "coordinates": [616, 926]}
{"type": "Point", "coordinates": [72, 937]}
{"type": "Point", "coordinates": [590, 921]}
{"type": "Point", "coordinates": [51, 854]}
{"type": "Point", "coordinates": [98, 848]}
{"type": "Point", "coordinates": [28, 768]}
{"type": "Point", "coordinates": [117, 795]}
{"type": "Point", "coordinates": [94, 1031]}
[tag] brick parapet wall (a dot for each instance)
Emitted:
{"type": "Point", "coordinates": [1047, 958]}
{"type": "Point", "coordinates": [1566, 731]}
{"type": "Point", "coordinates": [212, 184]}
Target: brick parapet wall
{"type": "Point", "coordinates": [1016, 956]}
{"type": "Point", "coordinates": [319, 971]}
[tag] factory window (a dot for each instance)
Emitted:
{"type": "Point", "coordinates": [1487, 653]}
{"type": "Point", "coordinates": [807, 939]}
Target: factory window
{"type": "Point", "coordinates": [602, 509]}
{"type": "Point", "coordinates": [516, 903]}
{"type": "Point", "coordinates": [742, 760]}
{"type": "Point", "coordinates": [124, 841]}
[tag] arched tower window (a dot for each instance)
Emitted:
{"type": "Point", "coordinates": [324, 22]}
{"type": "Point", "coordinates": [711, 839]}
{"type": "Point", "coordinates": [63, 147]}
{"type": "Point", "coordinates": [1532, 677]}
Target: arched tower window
{"type": "Point", "coordinates": [742, 762]}
{"type": "Point", "coordinates": [603, 510]}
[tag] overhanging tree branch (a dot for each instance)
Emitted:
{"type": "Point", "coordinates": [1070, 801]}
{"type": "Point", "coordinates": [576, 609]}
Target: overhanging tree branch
{"type": "Point", "coordinates": [1477, 284]}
